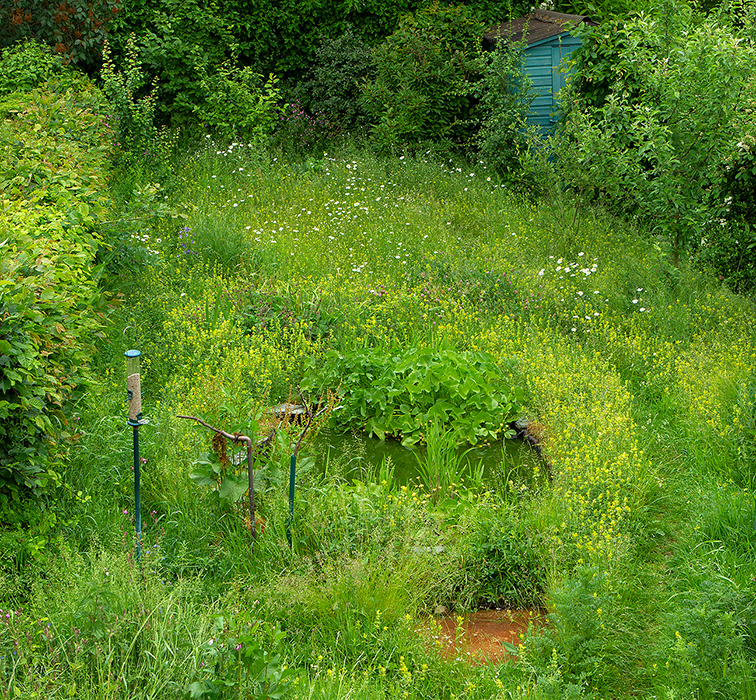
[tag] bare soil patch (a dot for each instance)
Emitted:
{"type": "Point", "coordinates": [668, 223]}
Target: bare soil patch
{"type": "Point", "coordinates": [478, 636]}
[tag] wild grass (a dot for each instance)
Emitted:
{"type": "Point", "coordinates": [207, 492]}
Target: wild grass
{"type": "Point", "coordinates": [640, 377]}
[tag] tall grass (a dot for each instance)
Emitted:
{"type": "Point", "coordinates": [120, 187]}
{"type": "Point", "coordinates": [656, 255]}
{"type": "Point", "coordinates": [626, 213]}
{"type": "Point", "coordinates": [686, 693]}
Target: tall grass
{"type": "Point", "coordinates": [640, 378]}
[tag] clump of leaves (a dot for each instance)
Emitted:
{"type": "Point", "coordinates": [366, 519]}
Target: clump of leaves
{"type": "Point", "coordinates": [75, 29]}
{"type": "Point", "coordinates": [26, 65]}
{"type": "Point", "coordinates": [730, 243]}
{"type": "Point", "coordinates": [300, 132]}
{"type": "Point", "coordinates": [395, 395]}
{"type": "Point", "coordinates": [224, 468]}
{"type": "Point", "coordinates": [239, 103]}
{"type": "Point", "coordinates": [503, 564]}
{"type": "Point", "coordinates": [243, 658]}
{"type": "Point", "coordinates": [139, 143]}
{"type": "Point", "coordinates": [506, 95]}
{"type": "Point", "coordinates": [288, 308]}
{"type": "Point", "coordinates": [709, 640]}
{"type": "Point", "coordinates": [50, 308]}
{"type": "Point", "coordinates": [333, 89]}
{"type": "Point", "coordinates": [579, 642]}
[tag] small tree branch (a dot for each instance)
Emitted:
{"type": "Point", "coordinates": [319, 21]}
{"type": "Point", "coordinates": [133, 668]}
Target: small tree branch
{"type": "Point", "coordinates": [308, 409]}
{"type": "Point", "coordinates": [310, 417]}
{"type": "Point", "coordinates": [235, 437]}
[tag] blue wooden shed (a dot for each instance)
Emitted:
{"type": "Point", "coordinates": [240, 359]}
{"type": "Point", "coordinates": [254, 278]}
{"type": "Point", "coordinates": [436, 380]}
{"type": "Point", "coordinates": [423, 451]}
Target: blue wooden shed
{"type": "Point", "coordinates": [549, 41]}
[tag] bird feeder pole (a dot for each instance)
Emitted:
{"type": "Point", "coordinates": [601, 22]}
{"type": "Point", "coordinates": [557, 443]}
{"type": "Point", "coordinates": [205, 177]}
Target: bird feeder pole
{"type": "Point", "coordinates": [134, 393]}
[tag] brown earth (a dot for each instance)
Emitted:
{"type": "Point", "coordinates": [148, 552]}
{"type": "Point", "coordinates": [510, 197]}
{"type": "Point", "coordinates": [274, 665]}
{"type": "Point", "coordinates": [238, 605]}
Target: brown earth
{"type": "Point", "coordinates": [478, 636]}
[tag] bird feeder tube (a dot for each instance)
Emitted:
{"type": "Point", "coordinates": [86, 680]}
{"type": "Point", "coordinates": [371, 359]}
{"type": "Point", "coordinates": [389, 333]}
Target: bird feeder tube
{"type": "Point", "coordinates": [134, 395]}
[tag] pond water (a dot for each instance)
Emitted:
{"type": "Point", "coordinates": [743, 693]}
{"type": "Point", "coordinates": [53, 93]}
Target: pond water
{"type": "Point", "coordinates": [357, 456]}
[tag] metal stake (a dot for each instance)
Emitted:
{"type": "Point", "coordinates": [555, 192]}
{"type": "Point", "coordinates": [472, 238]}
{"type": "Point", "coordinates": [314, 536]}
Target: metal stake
{"type": "Point", "coordinates": [292, 477]}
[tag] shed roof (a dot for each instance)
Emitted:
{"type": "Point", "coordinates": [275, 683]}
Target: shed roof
{"type": "Point", "coordinates": [537, 26]}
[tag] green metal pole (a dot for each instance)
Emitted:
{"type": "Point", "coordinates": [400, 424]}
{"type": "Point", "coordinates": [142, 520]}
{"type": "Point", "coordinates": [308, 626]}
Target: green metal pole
{"type": "Point", "coordinates": [293, 470]}
{"type": "Point", "coordinates": [292, 477]}
{"type": "Point", "coordinates": [134, 394]}
{"type": "Point", "coordinates": [137, 495]}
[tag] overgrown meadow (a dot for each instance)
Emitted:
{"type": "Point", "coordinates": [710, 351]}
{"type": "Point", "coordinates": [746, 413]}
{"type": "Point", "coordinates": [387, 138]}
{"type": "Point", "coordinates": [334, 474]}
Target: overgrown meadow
{"type": "Point", "coordinates": [257, 281]}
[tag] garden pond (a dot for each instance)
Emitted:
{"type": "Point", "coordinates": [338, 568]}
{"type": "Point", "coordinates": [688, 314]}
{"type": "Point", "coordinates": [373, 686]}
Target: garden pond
{"type": "Point", "coordinates": [355, 455]}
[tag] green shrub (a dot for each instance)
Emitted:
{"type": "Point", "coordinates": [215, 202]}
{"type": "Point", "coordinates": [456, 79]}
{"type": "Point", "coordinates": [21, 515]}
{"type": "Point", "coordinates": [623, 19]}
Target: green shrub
{"type": "Point", "coordinates": [244, 655]}
{"type": "Point", "coordinates": [178, 38]}
{"type": "Point", "coordinates": [179, 41]}
{"type": "Point", "coordinates": [280, 37]}
{"type": "Point", "coordinates": [729, 244]}
{"type": "Point", "coordinates": [729, 249]}
{"type": "Point", "coordinates": [138, 143]}
{"type": "Point", "coordinates": [503, 563]}
{"type": "Point", "coordinates": [50, 308]}
{"type": "Point", "coordinates": [738, 188]}
{"type": "Point", "coordinates": [333, 88]}
{"type": "Point", "coordinates": [43, 349]}
{"type": "Point", "coordinates": [505, 96]}
{"type": "Point", "coordinates": [603, 62]}
{"type": "Point", "coordinates": [400, 395]}
{"type": "Point", "coordinates": [705, 654]}
{"type": "Point", "coordinates": [300, 133]}
{"type": "Point", "coordinates": [27, 65]}
{"type": "Point", "coordinates": [652, 137]}
{"type": "Point", "coordinates": [75, 29]}
{"type": "Point", "coordinates": [238, 103]}
{"type": "Point", "coordinates": [425, 80]}
{"type": "Point", "coordinates": [601, 10]}
{"type": "Point", "coordinates": [577, 647]}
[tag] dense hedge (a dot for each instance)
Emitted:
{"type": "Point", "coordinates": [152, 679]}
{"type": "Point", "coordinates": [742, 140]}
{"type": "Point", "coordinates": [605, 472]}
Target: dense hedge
{"type": "Point", "coordinates": [53, 192]}
{"type": "Point", "coordinates": [425, 79]}
{"type": "Point", "coordinates": [180, 40]}
{"type": "Point", "coordinates": [282, 37]}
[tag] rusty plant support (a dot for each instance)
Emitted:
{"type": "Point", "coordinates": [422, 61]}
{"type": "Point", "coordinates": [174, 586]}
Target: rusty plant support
{"type": "Point", "coordinates": [236, 438]}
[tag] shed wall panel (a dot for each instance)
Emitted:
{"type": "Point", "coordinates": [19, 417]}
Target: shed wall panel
{"type": "Point", "coordinates": [544, 63]}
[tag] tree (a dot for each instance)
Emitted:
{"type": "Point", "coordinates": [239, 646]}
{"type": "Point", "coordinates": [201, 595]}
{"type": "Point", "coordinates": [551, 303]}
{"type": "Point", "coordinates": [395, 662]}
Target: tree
{"type": "Point", "coordinates": [652, 135]}
{"type": "Point", "coordinates": [425, 79]}
{"type": "Point", "coordinates": [76, 29]}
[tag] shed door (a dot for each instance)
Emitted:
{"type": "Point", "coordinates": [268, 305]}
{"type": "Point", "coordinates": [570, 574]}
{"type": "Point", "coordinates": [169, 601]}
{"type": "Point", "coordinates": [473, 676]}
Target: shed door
{"type": "Point", "coordinates": [543, 62]}
{"type": "Point", "coordinates": [538, 65]}
{"type": "Point", "coordinates": [558, 77]}
{"type": "Point", "coordinates": [560, 52]}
